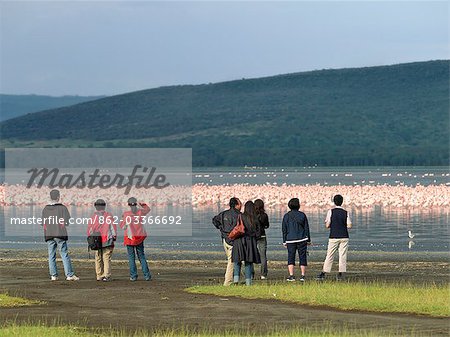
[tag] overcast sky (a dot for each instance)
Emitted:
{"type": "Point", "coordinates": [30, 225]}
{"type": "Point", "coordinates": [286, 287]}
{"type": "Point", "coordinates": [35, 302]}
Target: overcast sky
{"type": "Point", "coordinates": [95, 48]}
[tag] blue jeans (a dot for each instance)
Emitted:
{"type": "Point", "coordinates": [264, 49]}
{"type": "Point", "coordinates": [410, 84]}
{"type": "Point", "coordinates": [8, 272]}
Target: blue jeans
{"type": "Point", "coordinates": [248, 272]}
{"type": "Point", "coordinates": [62, 244]}
{"type": "Point", "coordinates": [132, 261]}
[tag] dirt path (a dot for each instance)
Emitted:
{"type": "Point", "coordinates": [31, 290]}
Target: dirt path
{"type": "Point", "coordinates": [162, 302]}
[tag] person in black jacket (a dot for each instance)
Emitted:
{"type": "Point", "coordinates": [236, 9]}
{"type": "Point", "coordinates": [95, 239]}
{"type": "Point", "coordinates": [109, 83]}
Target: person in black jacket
{"type": "Point", "coordinates": [296, 237]}
{"type": "Point", "coordinates": [245, 248]}
{"type": "Point", "coordinates": [225, 222]}
{"type": "Point", "coordinates": [263, 224]}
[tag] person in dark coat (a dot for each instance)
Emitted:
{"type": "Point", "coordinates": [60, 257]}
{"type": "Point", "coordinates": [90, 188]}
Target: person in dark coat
{"type": "Point", "coordinates": [225, 222]}
{"type": "Point", "coordinates": [245, 248]}
{"type": "Point", "coordinates": [263, 224]}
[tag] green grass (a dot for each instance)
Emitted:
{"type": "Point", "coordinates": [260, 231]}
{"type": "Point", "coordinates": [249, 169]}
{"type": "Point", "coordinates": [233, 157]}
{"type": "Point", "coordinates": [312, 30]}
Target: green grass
{"type": "Point", "coordinates": [431, 300]}
{"type": "Point", "coordinates": [33, 330]}
{"type": "Point", "coordinates": [7, 301]}
{"type": "Point", "coordinates": [38, 330]}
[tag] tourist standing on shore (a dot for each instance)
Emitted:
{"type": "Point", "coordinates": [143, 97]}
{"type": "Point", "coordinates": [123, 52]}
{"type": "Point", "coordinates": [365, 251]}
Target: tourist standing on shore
{"type": "Point", "coordinates": [102, 223]}
{"type": "Point", "coordinates": [225, 222]}
{"type": "Point", "coordinates": [245, 248]}
{"type": "Point", "coordinates": [296, 238]}
{"type": "Point", "coordinates": [338, 221]}
{"type": "Point", "coordinates": [134, 236]}
{"type": "Point", "coordinates": [56, 218]}
{"type": "Point", "coordinates": [263, 224]}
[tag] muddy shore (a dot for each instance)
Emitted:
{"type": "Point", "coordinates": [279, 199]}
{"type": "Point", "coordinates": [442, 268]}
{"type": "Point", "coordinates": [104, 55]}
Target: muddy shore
{"type": "Point", "coordinates": [163, 303]}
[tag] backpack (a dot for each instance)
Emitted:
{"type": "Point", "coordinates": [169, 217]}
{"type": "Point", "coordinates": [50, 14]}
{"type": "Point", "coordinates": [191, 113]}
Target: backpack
{"type": "Point", "coordinates": [94, 241]}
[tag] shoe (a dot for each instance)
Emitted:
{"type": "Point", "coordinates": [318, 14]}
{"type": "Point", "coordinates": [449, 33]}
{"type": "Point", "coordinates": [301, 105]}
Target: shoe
{"type": "Point", "coordinates": [320, 277]}
{"type": "Point", "coordinates": [54, 278]}
{"type": "Point", "coordinates": [302, 278]}
{"type": "Point", "coordinates": [340, 277]}
{"type": "Point", "coordinates": [106, 279]}
{"type": "Point", "coordinates": [263, 277]}
{"type": "Point", "coordinates": [291, 278]}
{"type": "Point", "coordinates": [72, 278]}
{"type": "Point", "coordinates": [132, 279]}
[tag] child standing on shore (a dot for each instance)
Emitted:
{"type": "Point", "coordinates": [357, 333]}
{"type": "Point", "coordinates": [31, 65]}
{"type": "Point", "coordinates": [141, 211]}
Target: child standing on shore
{"type": "Point", "coordinates": [134, 236]}
{"type": "Point", "coordinates": [338, 221]}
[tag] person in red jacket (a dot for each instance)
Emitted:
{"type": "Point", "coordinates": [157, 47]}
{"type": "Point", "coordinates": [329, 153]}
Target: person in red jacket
{"type": "Point", "coordinates": [102, 222]}
{"type": "Point", "coordinates": [134, 236]}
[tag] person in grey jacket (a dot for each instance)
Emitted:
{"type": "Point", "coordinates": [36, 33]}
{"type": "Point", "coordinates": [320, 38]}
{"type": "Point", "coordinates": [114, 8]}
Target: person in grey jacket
{"type": "Point", "coordinates": [56, 218]}
{"type": "Point", "coordinates": [296, 238]}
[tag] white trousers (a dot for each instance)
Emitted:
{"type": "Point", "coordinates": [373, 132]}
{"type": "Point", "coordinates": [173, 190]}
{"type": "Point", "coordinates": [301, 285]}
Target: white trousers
{"type": "Point", "coordinates": [333, 246]}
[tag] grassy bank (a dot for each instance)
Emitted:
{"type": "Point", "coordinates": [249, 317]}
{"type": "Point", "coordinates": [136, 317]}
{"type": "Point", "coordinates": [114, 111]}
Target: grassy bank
{"type": "Point", "coordinates": [33, 330]}
{"type": "Point", "coordinates": [7, 301]}
{"type": "Point", "coordinates": [432, 300]}
{"type": "Point", "coordinates": [40, 330]}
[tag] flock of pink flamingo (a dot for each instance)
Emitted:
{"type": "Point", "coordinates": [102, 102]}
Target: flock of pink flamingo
{"type": "Point", "coordinates": [200, 195]}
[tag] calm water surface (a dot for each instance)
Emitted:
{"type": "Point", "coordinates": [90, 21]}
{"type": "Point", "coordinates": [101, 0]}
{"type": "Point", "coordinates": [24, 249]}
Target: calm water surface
{"type": "Point", "coordinates": [375, 228]}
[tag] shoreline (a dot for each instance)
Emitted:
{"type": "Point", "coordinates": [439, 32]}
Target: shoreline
{"type": "Point", "coordinates": [364, 266]}
{"type": "Point", "coordinates": [164, 303]}
{"type": "Point", "coordinates": [279, 255]}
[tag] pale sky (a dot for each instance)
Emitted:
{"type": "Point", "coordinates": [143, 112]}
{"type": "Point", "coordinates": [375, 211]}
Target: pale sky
{"type": "Point", "coordinates": [106, 48]}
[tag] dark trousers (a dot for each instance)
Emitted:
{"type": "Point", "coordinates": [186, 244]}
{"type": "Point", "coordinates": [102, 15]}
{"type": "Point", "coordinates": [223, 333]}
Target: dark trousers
{"type": "Point", "coordinates": [262, 248]}
{"type": "Point", "coordinates": [299, 247]}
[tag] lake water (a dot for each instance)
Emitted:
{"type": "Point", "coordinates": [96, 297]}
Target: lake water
{"type": "Point", "coordinates": [409, 176]}
{"type": "Point", "coordinates": [375, 228]}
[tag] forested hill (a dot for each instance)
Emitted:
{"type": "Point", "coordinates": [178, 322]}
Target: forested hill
{"type": "Point", "coordinates": [385, 115]}
{"type": "Point", "coordinates": [17, 105]}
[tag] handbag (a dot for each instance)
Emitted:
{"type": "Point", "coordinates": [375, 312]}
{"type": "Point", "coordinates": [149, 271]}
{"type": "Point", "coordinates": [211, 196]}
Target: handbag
{"type": "Point", "coordinates": [238, 230]}
{"type": "Point", "coordinates": [94, 238]}
{"type": "Point", "coordinates": [94, 241]}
